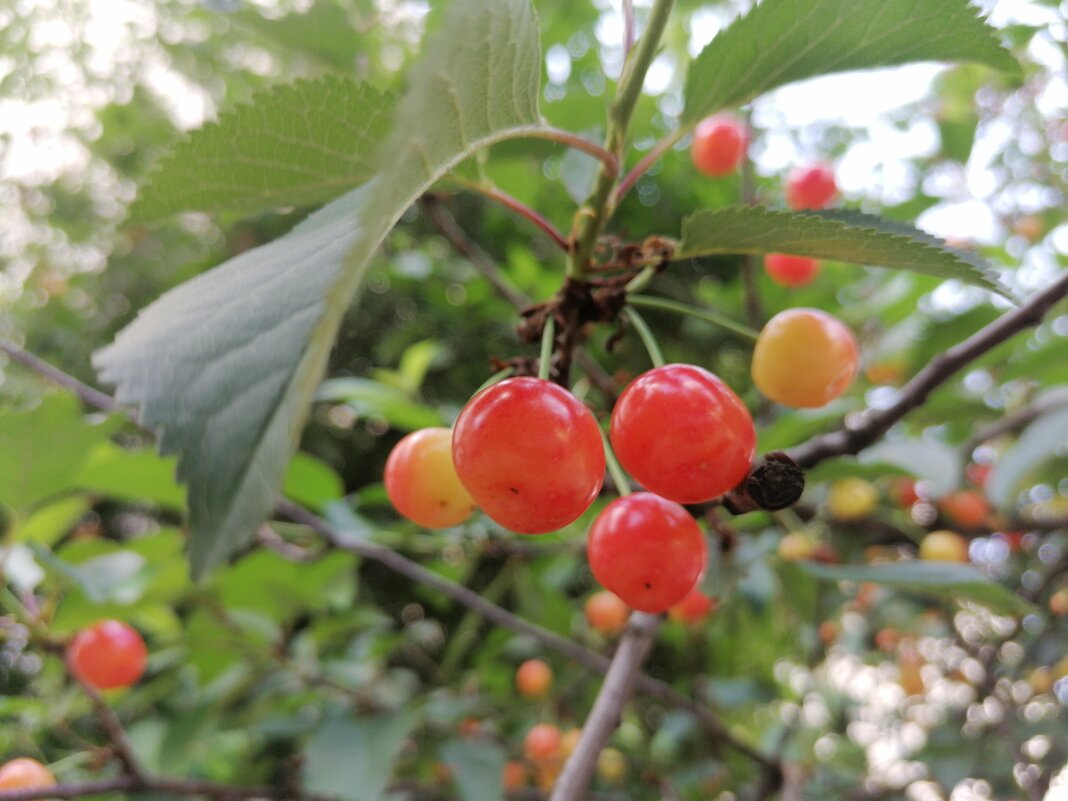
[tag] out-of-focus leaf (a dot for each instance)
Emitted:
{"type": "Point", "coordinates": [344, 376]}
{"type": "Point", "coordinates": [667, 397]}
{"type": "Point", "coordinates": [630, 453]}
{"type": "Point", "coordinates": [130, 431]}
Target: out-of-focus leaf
{"type": "Point", "coordinates": [281, 590]}
{"type": "Point", "coordinates": [1039, 442]}
{"type": "Point", "coordinates": [129, 475]}
{"type": "Point", "coordinates": [372, 399]}
{"type": "Point", "coordinates": [936, 462]}
{"type": "Point", "coordinates": [312, 482]}
{"type": "Point", "coordinates": [477, 768]}
{"type": "Point", "coordinates": [848, 236]}
{"type": "Point", "coordinates": [781, 41]}
{"type": "Point", "coordinates": [353, 758]}
{"type": "Point", "coordinates": [949, 580]}
{"type": "Point", "coordinates": [49, 523]}
{"type": "Point", "coordinates": [413, 367]}
{"type": "Point", "coordinates": [41, 450]}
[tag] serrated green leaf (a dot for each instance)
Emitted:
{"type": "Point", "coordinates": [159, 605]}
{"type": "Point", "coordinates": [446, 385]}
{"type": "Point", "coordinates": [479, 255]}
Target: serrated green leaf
{"type": "Point", "coordinates": [848, 236]}
{"type": "Point", "coordinates": [290, 145]}
{"type": "Point", "coordinates": [1039, 442]}
{"type": "Point", "coordinates": [949, 580]}
{"type": "Point", "coordinates": [782, 41]}
{"type": "Point", "coordinates": [353, 758]}
{"type": "Point", "coordinates": [373, 399]}
{"type": "Point", "coordinates": [224, 367]}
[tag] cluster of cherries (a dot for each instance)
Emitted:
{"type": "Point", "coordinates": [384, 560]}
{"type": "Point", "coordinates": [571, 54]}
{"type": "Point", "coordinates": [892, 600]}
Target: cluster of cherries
{"type": "Point", "coordinates": [531, 456]}
{"type": "Point", "coordinates": [718, 150]}
{"type": "Point", "coordinates": [105, 656]}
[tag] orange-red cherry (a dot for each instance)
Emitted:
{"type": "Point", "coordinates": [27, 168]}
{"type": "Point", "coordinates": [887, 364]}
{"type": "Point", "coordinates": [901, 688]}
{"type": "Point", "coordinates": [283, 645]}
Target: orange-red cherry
{"type": "Point", "coordinates": [966, 508]}
{"type": "Point", "coordinates": [811, 187]}
{"type": "Point", "coordinates": [719, 144]}
{"type": "Point", "coordinates": [647, 550]}
{"type": "Point", "coordinates": [25, 773]}
{"type": "Point", "coordinates": [683, 434]}
{"type": "Point", "coordinates": [421, 480]}
{"type": "Point", "coordinates": [529, 453]}
{"type": "Point", "coordinates": [107, 655]}
{"type": "Point", "coordinates": [787, 270]}
{"type": "Point", "coordinates": [542, 742]}
{"type": "Point", "coordinates": [533, 678]}
{"type": "Point", "coordinates": [694, 608]}
{"type": "Point", "coordinates": [606, 613]}
{"type": "Point", "coordinates": [804, 358]}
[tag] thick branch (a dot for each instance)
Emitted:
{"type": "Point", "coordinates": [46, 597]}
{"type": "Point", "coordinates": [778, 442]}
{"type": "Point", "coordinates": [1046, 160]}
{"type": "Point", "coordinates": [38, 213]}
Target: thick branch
{"type": "Point", "coordinates": [873, 423]}
{"type": "Point", "coordinates": [604, 717]}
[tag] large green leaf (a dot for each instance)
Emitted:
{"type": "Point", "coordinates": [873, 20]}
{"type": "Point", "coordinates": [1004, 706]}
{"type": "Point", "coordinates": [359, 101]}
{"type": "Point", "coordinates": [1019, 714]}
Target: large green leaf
{"type": "Point", "coordinates": [294, 144]}
{"type": "Point", "coordinates": [225, 366]}
{"type": "Point", "coordinates": [476, 768]}
{"type": "Point", "coordinates": [848, 236]}
{"type": "Point", "coordinates": [1039, 442]}
{"type": "Point", "coordinates": [781, 41]}
{"type": "Point", "coordinates": [353, 758]}
{"type": "Point", "coordinates": [948, 580]}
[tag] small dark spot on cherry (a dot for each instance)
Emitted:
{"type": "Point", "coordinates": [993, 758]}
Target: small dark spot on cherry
{"type": "Point", "coordinates": [648, 586]}
{"type": "Point", "coordinates": [513, 490]}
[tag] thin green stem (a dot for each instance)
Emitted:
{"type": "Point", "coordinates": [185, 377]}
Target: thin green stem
{"type": "Point", "coordinates": [615, 470]}
{"type": "Point", "coordinates": [790, 520]}
{"type": "Point", "coordinates": [548, 337]}
{"type": "Point", "coordinates": [642, 279]}
{"type": "Point", "coordinates": [591, 217]}
{"type": "Point", "coordinates": [645, 301]}
{"type": "Point", "coordinates": [656, 356]}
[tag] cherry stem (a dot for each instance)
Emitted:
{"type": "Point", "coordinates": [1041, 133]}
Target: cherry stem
{"type": "Point", "coordinates": [497, 377]}
{"type": "Point", "coordinates": [648, 302]}
{"type": "Point", "coordinates": [520, 208]}
{"type": "Point", "coordinates": [790, 520]}
{"type": "Point", "coordinates": [615, 469]}
{"type": "Point", "coordinates": [628, 27]}
{"type": "Point", "coordinates": [650, 158]}
{"type": "Point", "coordinates": [576, 142]}
{"type": "Point", "coordinates": [656, 356]}
{"type": "Point", "coordinates": [548, 337]}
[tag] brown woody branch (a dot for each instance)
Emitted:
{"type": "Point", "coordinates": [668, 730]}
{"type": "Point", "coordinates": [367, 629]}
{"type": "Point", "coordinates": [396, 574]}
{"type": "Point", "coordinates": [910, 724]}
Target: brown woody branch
{"type": "Point", "coordinates": [856, 435]}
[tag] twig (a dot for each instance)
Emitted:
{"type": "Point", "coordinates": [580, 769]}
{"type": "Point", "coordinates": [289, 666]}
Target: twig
{"type": "Point", "coordinates": [628, 27]}
{"type": "Point", "coordinates": [604, 717]}
{"type": "Point", "coordinates": [93, 397]}
{"type": "Point", "coordinates": [120, 741]}
{"type": "Point", "coordinates": [1018, 419]}
{"type": "Point", "coordinates": [647, 161]}
{"type": "Point", "coordinates": [608, 159]}
{"type": "Point", "coordinates": [520, 208]}
{"type": "Point", "coordinates": [873, 423]}
{"type": "Point", "coordinates": [160, 784]}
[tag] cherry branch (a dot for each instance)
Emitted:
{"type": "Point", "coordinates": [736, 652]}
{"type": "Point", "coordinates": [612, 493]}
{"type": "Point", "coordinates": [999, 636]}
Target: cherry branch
{"type": "Point", "coordinates": [93, 397]}
{"type": "Point", "coordinates": [858, 434]}
{"type": "Point", "coordinates": [608, 159]}
{"type": "Point", "coordinates": [1018, 419]}
{"type": "Point", "coordinates": [512, 204]}
{"type": "Point", "coordinates": [120, 741]}
{"type": "Point", "coordinates": [604, 717]}
{"type": "Point", "coordinates": [642, 167]}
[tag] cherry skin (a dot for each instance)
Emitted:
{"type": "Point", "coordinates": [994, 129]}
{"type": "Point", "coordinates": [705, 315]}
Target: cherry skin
{"type": "Point", "coordinates": [606, 613]}
{"type": "Point", "coordinates": [514, 775]}
{"type": "Point", "coordinates": [966, 508]}
{"type": "Point", "coordinates": [421, 480]}
{"type": "Point", "coordinates": [787, 270]}
{"type": "Point", "coordinates": [719, 144]}
{"type": "Point", "coordinates": [647, 550]}
{"type": "Point", "coordinates": [903, 491]}
{"type": "Point", "coordinates": [533, 678]}
{"type": "Point", "coordinates": [542, 742]}
{"type": "Point", "coordinates": [851, 499]}
{"type": "Point", "coordinates": [694, 608]}
{"type": "Point", "coordinates": [611, 766]}
{"type": "Point", "coordinates": [24, 773]}
{"type": "Point", "coordinates": [797, 546]}
{"type": "Point", "coordinates": [107, 655]}
{"type": "Point", "coordinates": [811, 187]}
{"type": "Point", "coordinates": [529, 453]}
{"type": "Point", "coordinates": [683, 434]}
{"type": "Point", "coordinates": [944, 546]}
{"type": "Point", "coordinates": [804, 358]}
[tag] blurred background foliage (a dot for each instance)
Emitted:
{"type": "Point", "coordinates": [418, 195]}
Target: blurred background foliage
{"type": "Point", "coordinates": [359, 675]}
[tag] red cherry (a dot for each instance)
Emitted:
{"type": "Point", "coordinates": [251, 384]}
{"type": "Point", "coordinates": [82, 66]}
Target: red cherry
{"type": "Point", "coordinates": [530, 454]}
{"type": "Point", "coordinates": [903, 491]}
{"type": "Point", "coordinates": [24, 773]}
{"type": "Point", "coordinates": [978, 473]}
{"type": "Point", "coordinates": [683, 434]}
{"type": "Point", "coordinates": [647, 550]}
{"type": "Point", "coordinates": [811, 187]}
{"type": "Point", "coordinates": [107, 655]}
{"type": "Point", "coordinates": [788, 270]}
{"type": "Point", "coordinates": [694, 608]}
{"type": "Point", "coordinates": [966, 508]}
{"type": "Point", "coordinates": [421, 480]}
{"type": "Point", "coordinates": [719, 144]}
{"type": "Point", "coordinates": [542, 742]}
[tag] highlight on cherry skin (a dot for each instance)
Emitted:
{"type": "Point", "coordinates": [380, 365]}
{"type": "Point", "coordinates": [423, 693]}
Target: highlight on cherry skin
{"type": "Point", "coordinates": [530, 453]}
{"type": "Point", "coordinates": [647, 550]}
{"type": "Point", "coordinates": [683, 434]}
{"type": "Point", "coordinates": [108, 655]}
{"type": "Point", "coordinates": [719, 145]}
{"type": "Point", "coordinates": [804, 358]}
{"type": "Point", "coordinates": [811, 187]}
{"type": "Point", "coordinates": [25, 773]}
{"type": "Point", "coordinates": [421, 480]}
{"type": "Point", "coordinates": [790, 271]}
